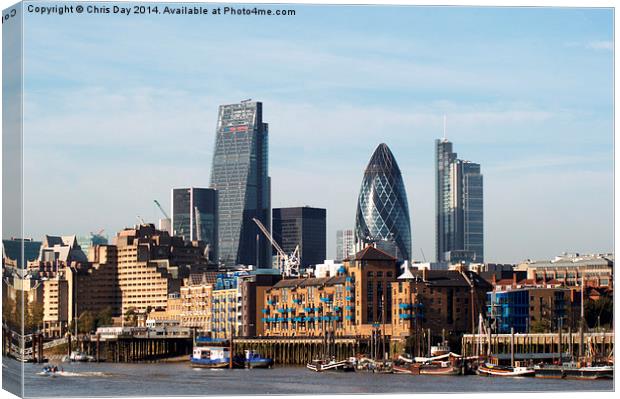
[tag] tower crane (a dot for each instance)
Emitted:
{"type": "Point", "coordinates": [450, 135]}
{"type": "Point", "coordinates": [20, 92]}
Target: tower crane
{"type": "Point", "coordinates": [161, 209]}
{"type": "Point", "coordinates": [288, 264]}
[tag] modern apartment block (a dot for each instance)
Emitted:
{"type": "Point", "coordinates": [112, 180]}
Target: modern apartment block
{"type": "Point", "coordinates": [240, 175]}
{"type": "Point", "coordinates": [459, 211]}
{"type": "Point", "coordinates": [345, 244]}
{"type": "Point", "coordinates": [382, 217]}
{"type": "Point", "coordinates": [305, 227]}
{"type": "Point", "coordinates": [194, 216]}
{"type": "Point", "coordinates": [595, 270]}
{"type": "Point", "coordinates": [528, 309]}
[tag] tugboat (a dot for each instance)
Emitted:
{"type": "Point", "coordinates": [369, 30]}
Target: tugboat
{"type": "Point", "coordinates": [254, 360]}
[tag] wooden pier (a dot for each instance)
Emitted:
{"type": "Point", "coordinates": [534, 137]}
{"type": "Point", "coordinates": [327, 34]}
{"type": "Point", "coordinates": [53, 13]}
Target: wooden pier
{"type": "Point", "coordinates": [300, 350]}
{"type": "Point", "coordinates": [539, 346]}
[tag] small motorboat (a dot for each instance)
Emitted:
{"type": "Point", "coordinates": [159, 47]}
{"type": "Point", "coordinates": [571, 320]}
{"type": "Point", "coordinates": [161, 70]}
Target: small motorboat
{"type": "Point", "coordinates": [77, 356]}
{"type": "Point", "coordinates": [50, 371]}
{"type": "Point", "coordinates": [253, 360]}
{"type": "Point", "coordinates": [489, 369]}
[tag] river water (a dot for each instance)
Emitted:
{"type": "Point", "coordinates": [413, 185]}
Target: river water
{"type": "Point", "coordinates": [179, 379]}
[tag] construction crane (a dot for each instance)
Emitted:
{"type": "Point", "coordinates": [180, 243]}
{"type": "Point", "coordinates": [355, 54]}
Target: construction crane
{"type": "Point", "coordinates": [161, 209]}
{"type": "Point", "coordinates": [288, 264]}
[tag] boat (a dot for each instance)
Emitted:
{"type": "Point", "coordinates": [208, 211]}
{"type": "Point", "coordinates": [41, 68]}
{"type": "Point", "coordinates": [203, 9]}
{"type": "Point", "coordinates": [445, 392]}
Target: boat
{"type": "Point", "coordinates": [50, 371]}
{"type": "Point", "coordinates": [253, 360]}
{"type": "Point", "coordinates": [211, 357]}
{"type": "Point", "coordinates": [574, 371]}
{"type": "Point", "coordinates": [442, 349]}
{"type": "Point", "coordinates": [406, 368]}
{"type": "Point", "coordinates": [440, 368]}
{"type": "Point", "coordinates": [489, 369]}
{"type": "Point", "coordinates": [77, 356]}
{"type": "Point", "coordinates": [320, 365]}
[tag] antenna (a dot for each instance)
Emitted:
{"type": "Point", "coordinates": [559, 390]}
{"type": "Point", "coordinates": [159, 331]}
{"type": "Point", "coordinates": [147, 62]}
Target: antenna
{"type": "Point", "coordinates": [444, 126]}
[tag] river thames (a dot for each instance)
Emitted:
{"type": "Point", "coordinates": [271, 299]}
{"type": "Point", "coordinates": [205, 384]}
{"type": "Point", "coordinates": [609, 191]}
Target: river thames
{"type": "Point", "coordinates": [179, 379]}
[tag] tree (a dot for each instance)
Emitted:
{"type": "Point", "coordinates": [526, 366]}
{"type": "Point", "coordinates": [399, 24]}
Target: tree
{"type": "Point", "coordinates": [104, 317]}
{"type": "Point", "coordinates": [602, 308]}
{"type": "Point", "coordinates": [131, 316]}
{"type": "Point", "coordinates": [87, 322]}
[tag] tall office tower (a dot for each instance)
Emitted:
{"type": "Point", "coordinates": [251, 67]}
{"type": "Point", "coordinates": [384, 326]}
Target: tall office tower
{"type": "Point", "coordinates": [240, 174]}
{"type": "Point", "coordinates": [194, 216]}
{"type": "Point", "coordinates": [382, 215]}
{"type": "Point", "coordinates": [303, 226]}
{"type": "Point", "coordinates": [345, 244]}
{"type": "Point", "coordinates": [459, 207]}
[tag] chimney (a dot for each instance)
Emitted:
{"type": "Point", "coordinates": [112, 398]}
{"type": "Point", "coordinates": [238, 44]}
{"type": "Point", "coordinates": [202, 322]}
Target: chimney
{"type": "Point", "coordinates": [514, 280]}
{"type": "Point", "coordinates": [425, 274]}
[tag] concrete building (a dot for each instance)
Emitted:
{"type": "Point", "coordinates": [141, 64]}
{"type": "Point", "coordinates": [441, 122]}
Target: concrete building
{"type": "Point", "coordinates": [595, 269]}
{"type": "Point", "coordinates": [327, 269]}
{"type": "Point", "coordinates": [152, 265]}
{"type": "Point", "coordinates": [305, 227]}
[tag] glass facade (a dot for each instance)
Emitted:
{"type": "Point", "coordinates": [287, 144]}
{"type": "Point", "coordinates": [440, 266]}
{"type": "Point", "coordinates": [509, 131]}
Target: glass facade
{"type": "Point", "coordinates": [194, 216]}
{"type": "Point", "coordinates": [303, 226]}
{"type": "Point", "coordinates": [382, 209]}
{"type": "Point", "coordinates": [459, 205]}
{"type": "Point", "coordinates": [240, 175]}
{"type": "Point", "coordinates": [345, 244]}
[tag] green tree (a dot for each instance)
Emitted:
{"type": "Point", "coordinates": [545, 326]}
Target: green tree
{"type": "Point", "coordinates": [104, 317]}
{"type": "Point", "coordinates": [131, 317]}
{"type": "Point", "coordinates": [601, 311]}
{"type": "Point", "coordinates": [87, 322]}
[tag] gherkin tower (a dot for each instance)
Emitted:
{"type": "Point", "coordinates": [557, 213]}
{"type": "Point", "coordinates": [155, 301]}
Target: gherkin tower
{"type": "Point", "coordinates": [382, 216]}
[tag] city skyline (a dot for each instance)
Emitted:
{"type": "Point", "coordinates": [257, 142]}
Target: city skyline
{"type": "Point", "coordinates": [533, 107]}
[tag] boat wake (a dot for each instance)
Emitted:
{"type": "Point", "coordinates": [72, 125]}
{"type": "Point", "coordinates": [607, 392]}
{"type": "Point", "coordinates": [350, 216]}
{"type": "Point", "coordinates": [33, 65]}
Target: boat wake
{"type": "Point", "coordinates": [76, 374]}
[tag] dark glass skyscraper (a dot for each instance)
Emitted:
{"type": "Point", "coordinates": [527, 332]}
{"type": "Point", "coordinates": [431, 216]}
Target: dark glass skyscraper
{"type": "Point", "coordinates": [303, 226]}
{"type": "Point", "coordinates": [459, 206]}
{"type": "Point", "coordinates": [194, 216]}
{"type": "Point", "coordinates": [240, 175]}
{"type": "Point", "coordinates": [382, 209]}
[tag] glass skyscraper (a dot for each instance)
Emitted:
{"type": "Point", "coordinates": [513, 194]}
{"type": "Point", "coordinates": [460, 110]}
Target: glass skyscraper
{"type": "Point", "coordinates": [345, 244]}
{"type": "Point", "coordinates": [303, 226]}
{"type": "Point", "coordinates": [459, 206]}
{"type": "Point", "coordinates": [194, 216]}
{"type": "Point", "coordinates": [240, 175]}
{"type": "Point", "coordinates": [382, 216]}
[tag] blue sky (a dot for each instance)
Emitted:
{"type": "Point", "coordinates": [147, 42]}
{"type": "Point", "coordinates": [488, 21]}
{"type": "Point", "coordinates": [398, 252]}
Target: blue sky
{"type": "Point", "coordinates": [119, 109]}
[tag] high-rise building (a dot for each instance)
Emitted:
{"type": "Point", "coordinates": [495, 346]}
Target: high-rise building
{"type": "Point", "coordinates": [303, 226]}
{"type": "Point", "coordinates": [240, 174]}
{"type": "Point", "coordinates": [382, 217]}
{"type": "Point", "coordinates": [459, 206]}
{"type": "Point", "coordinates": [194, 216]}
{"type": "Point", "coordinates": [345, 244]}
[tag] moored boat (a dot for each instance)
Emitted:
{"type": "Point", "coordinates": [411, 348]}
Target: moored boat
{"type": "Point", "coordinates": [212, 357]}
{"type": "Point", "coordinates": [253, 360]}
{"type": "Point", "coordinates": [574, 371]}
{"type": "Point", "coordinates": [320, 365]}
{"type": "Point", "coordinates": [489, 369]}
{"type": "Point", "coordinates": [440, 368]}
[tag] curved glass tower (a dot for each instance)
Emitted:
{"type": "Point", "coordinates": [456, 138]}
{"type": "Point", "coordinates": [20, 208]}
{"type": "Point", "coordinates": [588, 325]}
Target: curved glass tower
{"type": "Point", "coordinates": [382, 209]}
